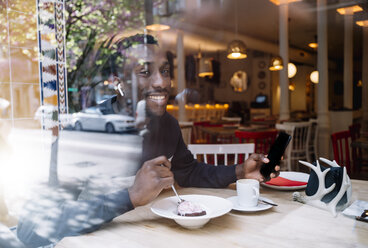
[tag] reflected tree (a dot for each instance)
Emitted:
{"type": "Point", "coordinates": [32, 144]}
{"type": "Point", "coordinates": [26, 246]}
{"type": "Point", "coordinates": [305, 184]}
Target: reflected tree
{"type": "Point", "coordinates": [91, 28]}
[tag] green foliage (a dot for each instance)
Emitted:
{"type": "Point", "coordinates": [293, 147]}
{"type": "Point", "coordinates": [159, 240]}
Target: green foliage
{"type": "Point", "coordinates": [91, 22]}
{"type": "Point", "coordinates": [91, 26]}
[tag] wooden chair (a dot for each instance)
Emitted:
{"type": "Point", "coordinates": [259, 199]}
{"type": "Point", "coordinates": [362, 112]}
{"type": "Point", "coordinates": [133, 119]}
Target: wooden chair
{"type": "Point", "coordinates": [212, 152]}
{"type": "Point", "coordinates": [186, 131]}
{"type": "Point", "coordinates": [357, 152]}
{"type": "Point", "coordinates": [299, 142]}
{"type": "Point", "coordinates": [262, 140]}
{"type": "Point", "coordinates": [312, 148]}
{"type": "Point", "coordinates": [198, 137]}
{"type": "Point", "coordinates": [341, 150]}
{"type": "Point", "coordinates": [289, 129]}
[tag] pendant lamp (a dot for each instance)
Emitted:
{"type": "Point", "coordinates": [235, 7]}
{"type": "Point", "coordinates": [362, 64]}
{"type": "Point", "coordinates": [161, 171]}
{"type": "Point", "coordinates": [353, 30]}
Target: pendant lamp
{"type": "Point", "coordinates": [314, 77]}
{"type": "Point", "coordinates": [153, 20]}
{"type": "Point", "coordinates": [276, 64]}
{"type": "Point", "coordinates": [236, 48]}
{"type": "Point", "coordinates": [291, 70]}
{"type": "Point", "coordinates": [205, 66]}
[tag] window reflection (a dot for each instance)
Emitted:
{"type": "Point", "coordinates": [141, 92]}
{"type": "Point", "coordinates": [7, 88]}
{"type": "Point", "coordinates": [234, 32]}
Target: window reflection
{"type": "Point", "coordinates": [88, 138]}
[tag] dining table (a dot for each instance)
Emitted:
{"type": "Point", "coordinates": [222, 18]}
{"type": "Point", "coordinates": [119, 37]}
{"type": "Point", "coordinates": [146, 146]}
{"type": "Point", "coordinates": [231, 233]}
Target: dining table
{"type": "Point", "coordinates": [290, 224]}
{"type": "Point", "coordinates": [226, 133]}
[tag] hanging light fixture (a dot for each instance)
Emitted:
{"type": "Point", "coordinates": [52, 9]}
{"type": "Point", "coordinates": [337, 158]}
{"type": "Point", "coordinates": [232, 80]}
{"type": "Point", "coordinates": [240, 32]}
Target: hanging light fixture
{"type": "Point", "coordinates": [276, 64]}
{"type": "Point", "coordinates": [291, 70]}
{"type": "Point", "coordinates": [314, 44]}
{"type": "Point", "coordinates": [236, 48]}
{"type": "Point", "coordinates": [205, 66]}
{"type": "Point", "coordinates": [314, 77]}
{"type": "Point", "coordinates": [153, 16]}
{"type": "Point", "coordinates": [291, 86]}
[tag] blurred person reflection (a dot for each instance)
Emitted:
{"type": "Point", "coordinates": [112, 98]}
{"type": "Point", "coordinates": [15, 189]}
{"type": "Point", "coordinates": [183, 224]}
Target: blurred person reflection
{"type": "Point", "coordinates": [148, 68]}
{"type": "Point", "coordinates": [188, 96]}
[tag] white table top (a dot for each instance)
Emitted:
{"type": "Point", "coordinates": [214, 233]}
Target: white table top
{"type": "Point", "coordinates": [291, 224]}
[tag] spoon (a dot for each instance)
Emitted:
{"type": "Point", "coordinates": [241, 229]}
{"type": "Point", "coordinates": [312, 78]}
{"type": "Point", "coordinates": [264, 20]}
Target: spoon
{"type": "Point", "coordinates": [266, 202]}
{"type": "Point", "coordinates": [173, 188]}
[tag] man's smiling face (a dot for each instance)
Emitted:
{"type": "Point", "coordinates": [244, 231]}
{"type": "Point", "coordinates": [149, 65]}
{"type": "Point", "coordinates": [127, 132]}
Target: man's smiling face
{"type": "Point", "coordinates": [152, 71]}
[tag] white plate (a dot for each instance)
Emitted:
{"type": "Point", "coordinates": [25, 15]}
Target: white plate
{"type": "Point", "coordinates": [291, 175]}
{"type": "Point", "coordinates": [213, 205]}
{"type": "Point", "coordinates": [259, 207]}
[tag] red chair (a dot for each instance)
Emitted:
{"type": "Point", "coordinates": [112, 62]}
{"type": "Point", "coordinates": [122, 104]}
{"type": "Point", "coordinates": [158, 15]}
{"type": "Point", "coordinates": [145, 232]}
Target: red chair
{"type": "Point", "coordinates": [341, 150]}
{"type": "Point", "coordinates": [262, 140]}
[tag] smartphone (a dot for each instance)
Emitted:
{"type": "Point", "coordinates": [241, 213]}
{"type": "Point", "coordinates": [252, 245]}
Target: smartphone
{"type": "Point", "coordinates": [274, 155]}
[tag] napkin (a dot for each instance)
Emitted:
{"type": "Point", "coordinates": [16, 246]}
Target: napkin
{"type": "Point", "coordinates": [356, 209]}
{"type": "Point", "coordinates": [281, 181]}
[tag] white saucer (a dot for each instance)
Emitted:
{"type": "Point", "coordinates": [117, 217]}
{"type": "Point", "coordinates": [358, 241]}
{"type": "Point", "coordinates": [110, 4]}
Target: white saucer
{"type": "Point", "coordinates": [259, 207]}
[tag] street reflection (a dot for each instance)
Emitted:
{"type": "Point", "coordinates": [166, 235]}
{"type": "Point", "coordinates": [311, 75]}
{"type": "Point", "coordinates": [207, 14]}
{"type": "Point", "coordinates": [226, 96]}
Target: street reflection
{"type": "Point", "coordinates": [96, 120]}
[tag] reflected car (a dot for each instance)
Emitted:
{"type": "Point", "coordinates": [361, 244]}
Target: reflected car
{"type": "Point", "coordinates": [44, 114]}
{"type": "Point", "coordinates": [94, 120]}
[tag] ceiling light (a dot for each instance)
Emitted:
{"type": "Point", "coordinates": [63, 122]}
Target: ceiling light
{"type": "Point", "coordinates": [291, 86]}
{"type": "Point", "coordinates": [291, 70]}
{"type": "Point", "coordinates": [236, 50]}
{"type": "Point", "coordinates": [157, 27]}
{"type": "Point", "coordinates": [313, 45]}
{"type": "Point", "coordinates": [153, 16]}
{"type": "Point", "coordinates": [362, 23]}
{"type": "Point", "coordinates": [205, 68]}
{"type": "Point", "coordinates": [276, 64]}
{"type": "Point", "coordinates": [278, 2]}
{"type": "Point", "coordinates": [349, 10]}
{"type": "Point", "coordinates": [314, 77]}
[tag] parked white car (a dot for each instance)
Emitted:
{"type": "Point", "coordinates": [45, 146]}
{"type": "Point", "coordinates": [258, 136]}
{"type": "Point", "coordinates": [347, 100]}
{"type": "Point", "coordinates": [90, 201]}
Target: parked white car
{"type": "Point", "coordinates": [93, 119]}
{"type": "Point", "coordinates": [44, 114]}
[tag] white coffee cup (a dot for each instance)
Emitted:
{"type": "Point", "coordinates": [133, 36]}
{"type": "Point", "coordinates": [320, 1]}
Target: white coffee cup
{"type": "Point", "coordinates": [248, 192]}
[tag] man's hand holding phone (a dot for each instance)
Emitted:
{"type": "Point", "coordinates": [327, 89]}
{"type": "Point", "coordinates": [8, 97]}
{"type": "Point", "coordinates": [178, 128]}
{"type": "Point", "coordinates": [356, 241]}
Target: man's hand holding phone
{"type": "Point", "coordinates": [250, 169]}
{"type": "Point", "coordinates": [275, 154]}
{"type": "Point", "coordinates": [263, 168]}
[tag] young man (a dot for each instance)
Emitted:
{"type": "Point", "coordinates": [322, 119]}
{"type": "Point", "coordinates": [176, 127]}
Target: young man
{"type": "Point", "coordinates": [148, 65]}
{"type": "Point", "coordinates": [151, 70]}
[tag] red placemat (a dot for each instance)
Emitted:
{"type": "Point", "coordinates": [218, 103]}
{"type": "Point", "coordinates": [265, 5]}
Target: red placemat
{"type": "Point", "coordinates": [281, 181]}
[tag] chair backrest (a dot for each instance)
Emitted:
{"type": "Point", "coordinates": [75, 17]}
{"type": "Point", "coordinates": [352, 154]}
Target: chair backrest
{"type": "Point", "coordinates": [356, 152]}
{"type": "Point", "coordinates": [340, 145]}
{"type": "Point", "coordinates": [231, 120]}
{"type": "Point", "coordinates": [312, 153]}
{"type": "Point", "coordinates": [300, 136]}
{"type": "Point", "coordinates": [355, 131]}
{"type": "Point", "coordinates": [289, 129]}
{"type": "Point", "coordinates": [198, 137]}
{"type": "Point", "coordinates": [262, 140]}
{"type": "Point", "coordinates": [186, 131]}
{"type": "Point", "coordinates": [222, 149]}
{"type": "Point", "coordinates": [189, 113]}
